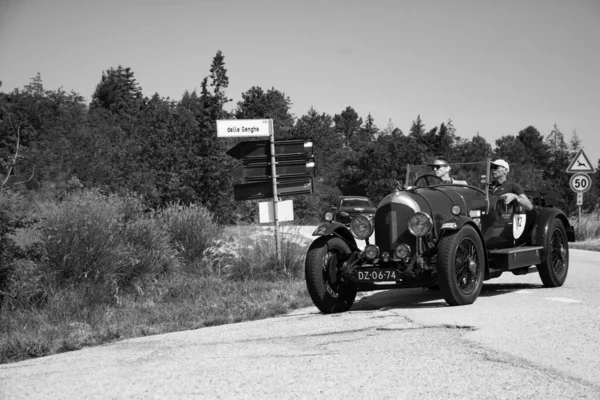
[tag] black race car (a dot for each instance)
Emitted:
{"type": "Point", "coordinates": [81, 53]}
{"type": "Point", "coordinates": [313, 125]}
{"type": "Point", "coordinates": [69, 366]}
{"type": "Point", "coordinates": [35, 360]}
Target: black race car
{"type": "Point", "coordinates": [349, 207]}
{"type": "Point", "coordinates": [433, 234]}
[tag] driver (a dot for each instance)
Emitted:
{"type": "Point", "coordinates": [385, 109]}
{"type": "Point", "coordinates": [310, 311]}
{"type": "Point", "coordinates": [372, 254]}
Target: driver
{"type": "Point", "coordinates": [441, 169]}
{"type": "Point", "coordinates": [506, 189]}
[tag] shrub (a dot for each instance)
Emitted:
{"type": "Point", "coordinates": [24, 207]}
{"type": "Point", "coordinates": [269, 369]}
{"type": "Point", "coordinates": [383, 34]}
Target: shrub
{"type": "Point", "coordinates": [102, 243]}
{"type": "Point", "coordinates": [11, 218]}
{"type": "Point", "coordinates": [588, 227]}
{"type": "Point", "coordinates": [250, 253]}
{"type": "Point", "coordinates": [192, 230]}
{"type": "Point", "coordinates": [144, 254]}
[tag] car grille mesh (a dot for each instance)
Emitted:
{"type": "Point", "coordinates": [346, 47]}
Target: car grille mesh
{"type": "Point", "coordinates": [391, 226]}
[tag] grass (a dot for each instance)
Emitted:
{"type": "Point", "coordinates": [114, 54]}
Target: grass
{"type": "Point", "coordinates": [587, 231]}
{"type": "Point", "coordinates": [179, 303]}
{"type": "Point", "coordinates": [590, 244]}
{"type": "Point", "coordinates": [109, 271]}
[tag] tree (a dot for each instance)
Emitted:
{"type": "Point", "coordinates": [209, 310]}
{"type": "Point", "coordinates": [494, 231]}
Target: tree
{"type": "Point", "coordinates": [536, 149]}
{"type": "Point", "coordinates": [41, 127]}
{"type": "Point", "coordinates": [475, 150]}
{"type": "Point", "coordinates": [522, 170]}
{"type": "Point", "coordinates": [374, 172]}
{"type": "Point", "coordinates": [347, 124]}
{"type": "Point", "coordinates": [118, 92]}
{"type": "Point", "coordinates": [219, 81]}
{"type": "Point", "coordinates": [417, 129]}
{"type": "Point", "coordinates": [329, 153]}
{"type": "Point", "coordinates": [391, 130]}
{"type": "Point", "coordinates": [575, 142]}
{"type": "Point", "coordinates": [365, 136]}
{"type": "Point", "coordinates": [272, 104]}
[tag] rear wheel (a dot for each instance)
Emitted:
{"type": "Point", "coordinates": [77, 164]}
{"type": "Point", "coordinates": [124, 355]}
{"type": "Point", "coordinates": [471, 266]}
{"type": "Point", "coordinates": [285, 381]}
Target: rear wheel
{"type": "Point", "coordinates": [461, 266]}
{"type": "Point", "coordinates": [324, 260]}
{"type": "Point", "coordinates": [553, 271]}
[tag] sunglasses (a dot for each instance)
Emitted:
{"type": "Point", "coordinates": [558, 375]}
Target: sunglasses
{"type": "Point", "coordinates": [438, 166]}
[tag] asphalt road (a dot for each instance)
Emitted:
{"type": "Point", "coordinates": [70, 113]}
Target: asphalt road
{"type": "Point", "coordinates": [518, 340]}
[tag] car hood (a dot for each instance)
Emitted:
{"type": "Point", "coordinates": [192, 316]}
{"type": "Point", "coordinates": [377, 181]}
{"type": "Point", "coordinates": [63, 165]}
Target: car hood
{"type": "Point", "coordinates": [362, 210]}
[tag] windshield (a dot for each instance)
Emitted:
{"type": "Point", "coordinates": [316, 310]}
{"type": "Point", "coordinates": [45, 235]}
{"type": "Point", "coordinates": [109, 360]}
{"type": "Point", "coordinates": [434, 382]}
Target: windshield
{"type": "Point", "coordinates": [356, 203]}
{"type": "Point", "coordinates": [472, 174]}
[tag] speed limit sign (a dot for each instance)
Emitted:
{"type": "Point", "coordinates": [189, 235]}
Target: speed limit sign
{"type": "Point", "coordinates": [580, 182]}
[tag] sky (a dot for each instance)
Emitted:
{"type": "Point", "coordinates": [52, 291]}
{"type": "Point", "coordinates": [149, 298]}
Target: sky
{"type": "Point", "coordinates": [492, 67]}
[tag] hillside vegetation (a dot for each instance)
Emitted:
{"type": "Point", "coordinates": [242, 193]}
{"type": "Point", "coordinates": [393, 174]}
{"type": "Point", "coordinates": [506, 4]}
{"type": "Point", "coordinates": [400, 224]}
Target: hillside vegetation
{"type": "Point", "coordinates": [117, 215]}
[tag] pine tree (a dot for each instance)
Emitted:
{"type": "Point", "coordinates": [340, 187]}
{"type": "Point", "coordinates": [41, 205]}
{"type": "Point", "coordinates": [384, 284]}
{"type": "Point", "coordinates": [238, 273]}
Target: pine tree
{"type": "Point", "coordinates": [348, 124]}
{"type": "Point", "coordinates": [118, 92]}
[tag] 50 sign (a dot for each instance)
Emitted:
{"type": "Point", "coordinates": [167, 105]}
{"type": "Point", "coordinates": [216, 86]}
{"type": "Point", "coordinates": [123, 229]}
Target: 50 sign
{"type": "Point", "coordinates": [580, 183]}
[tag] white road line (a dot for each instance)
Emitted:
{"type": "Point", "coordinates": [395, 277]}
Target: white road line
{"type": "Point", "coordinates": [563, 299]}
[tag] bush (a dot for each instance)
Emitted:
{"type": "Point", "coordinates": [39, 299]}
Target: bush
{"type": "Point", "coordinates": [11, 219]}
{"type": "Point", "coordinates": [103, 243]}
{"type": "Point", "coordinates": [588, 227]}
{"type": "Point", "coordinates": [192, 230]}
{"type": "Point", "coordinates": [250, 253]}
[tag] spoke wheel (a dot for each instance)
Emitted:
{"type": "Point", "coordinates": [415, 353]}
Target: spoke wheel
{"type": "Point", "coordinates": [324, 259]}
{"type": "Point", "coordinates": [461, 266]}
{"type": "Point", "coordinates": [553, 271]}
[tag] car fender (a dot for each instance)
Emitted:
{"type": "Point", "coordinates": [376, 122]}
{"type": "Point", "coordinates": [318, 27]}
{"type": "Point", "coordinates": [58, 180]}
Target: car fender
{"type": "Point", "coordinates": [542, 224]}
{"type": "Point", "coordinates": [337, 229]}
{"type": "Point", "coordinates": [455, 224]}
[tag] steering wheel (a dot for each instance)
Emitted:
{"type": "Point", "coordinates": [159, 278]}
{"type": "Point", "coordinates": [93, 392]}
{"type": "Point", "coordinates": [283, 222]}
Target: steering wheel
{"type": "Point", "coordinates": [429, 180]}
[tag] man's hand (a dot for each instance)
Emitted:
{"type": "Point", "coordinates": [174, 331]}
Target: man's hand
{"type": "Point", "coordinates": [509, 197]}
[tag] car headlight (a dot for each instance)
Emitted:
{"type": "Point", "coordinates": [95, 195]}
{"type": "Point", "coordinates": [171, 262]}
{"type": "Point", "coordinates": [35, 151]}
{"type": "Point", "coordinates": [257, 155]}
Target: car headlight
{"type": "Point", "coordinates": [328, 216]}
{"type": "Point", "coordinates": [361, 227]}
{"type": "Point", "coordinates": [401, 252]}
{"type": "Point", "coordinates": [420, 224]}
{"type": "Point", "coordinates": [371, 252]}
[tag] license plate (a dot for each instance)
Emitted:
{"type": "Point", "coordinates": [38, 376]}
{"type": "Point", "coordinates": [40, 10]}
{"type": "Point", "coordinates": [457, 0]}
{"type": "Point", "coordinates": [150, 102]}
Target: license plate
{"type": "Point", "coordinates": [378, 275]}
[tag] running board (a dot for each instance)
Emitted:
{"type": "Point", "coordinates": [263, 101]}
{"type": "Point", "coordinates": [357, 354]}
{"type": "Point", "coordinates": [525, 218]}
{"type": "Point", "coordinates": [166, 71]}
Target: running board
{"type": "Point", "coordinates": [516, 257]}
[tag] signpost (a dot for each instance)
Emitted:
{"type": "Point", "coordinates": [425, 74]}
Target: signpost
{"type": "Point", "coordinates": [269, 169]}
{"type": "Point", "coordinates": [580, 182]}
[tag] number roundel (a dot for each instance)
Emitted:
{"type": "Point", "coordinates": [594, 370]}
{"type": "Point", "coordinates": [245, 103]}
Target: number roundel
{"type": "Point", "coordinates": [580, 183]}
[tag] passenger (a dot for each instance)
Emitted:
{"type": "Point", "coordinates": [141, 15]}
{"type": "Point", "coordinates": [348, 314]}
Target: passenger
{"type": "Point", "coordinates": [441, 169]}
{"type": "Point", "coordinates": [506, 189]}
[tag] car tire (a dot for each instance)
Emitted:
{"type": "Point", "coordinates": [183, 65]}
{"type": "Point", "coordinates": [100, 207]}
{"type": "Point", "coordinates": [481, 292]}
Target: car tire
{"type": "Point", "coordinates": [461, 266]}
{"type": "Point", "coordinates": [553, 271]}
{"type": "Point", "coordinates": [323, 262]}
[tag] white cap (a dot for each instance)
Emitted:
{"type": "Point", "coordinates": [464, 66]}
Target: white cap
{"type": "Point", "coordinates": [501, 163]}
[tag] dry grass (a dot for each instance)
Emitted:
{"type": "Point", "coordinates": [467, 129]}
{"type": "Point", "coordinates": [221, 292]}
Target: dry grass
{"type": "Point", "coordinates": [110, 272]}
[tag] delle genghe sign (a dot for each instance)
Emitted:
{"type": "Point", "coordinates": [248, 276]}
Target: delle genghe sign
{"type": "Point", "coordinates": [242, 127]}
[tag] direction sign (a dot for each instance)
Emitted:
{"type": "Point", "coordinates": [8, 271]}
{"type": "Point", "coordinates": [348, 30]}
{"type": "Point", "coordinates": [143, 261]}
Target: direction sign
{"type": "Point", "coordinates": [261, 148]}
{"type": "Point", "coordinates": [243, 127]}
{"type": "Point", "coordinates": [250, 171]}
{"type": "Point", "coordinates": [264, 189]}
{"type": "Point", "coordinates": [580, 164]}
{"type": "Point", "coordinates": [580, 183]}
{"type": "Point", "coordinates": [292, 157]}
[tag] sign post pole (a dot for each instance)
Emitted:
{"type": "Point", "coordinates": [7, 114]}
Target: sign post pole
{"type": "Point", "coordinates": [579, 224]}
{"type": "Point", "coordinates": [275, 194]}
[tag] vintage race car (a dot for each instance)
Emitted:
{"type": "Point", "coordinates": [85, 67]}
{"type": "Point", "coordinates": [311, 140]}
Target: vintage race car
{"type": "Point", "coordinates": [432, 234]}
{"type": "Point", "coordinates": [350, 207]}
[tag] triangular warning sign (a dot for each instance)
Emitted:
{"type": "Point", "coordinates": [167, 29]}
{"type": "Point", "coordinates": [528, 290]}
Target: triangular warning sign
{"type": "Point", "coordinates": [580, 164]}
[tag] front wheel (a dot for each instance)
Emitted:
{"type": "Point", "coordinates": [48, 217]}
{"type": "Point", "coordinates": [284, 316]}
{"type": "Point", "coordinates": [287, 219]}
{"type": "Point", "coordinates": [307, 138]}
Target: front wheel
{"type": "Point", "coordinates": [461, 266]}
{"type": "Point", "coordinates": [324, 260]}
{"type": "Point", "coordinates": [553, 271]}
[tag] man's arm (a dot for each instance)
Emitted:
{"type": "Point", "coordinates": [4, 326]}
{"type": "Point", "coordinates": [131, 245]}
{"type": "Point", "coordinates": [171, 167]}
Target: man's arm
{"type": "Point", "coordinates": [521, 199]}
{"type": "Point", "coordinates": [524, 201]}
